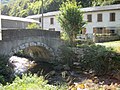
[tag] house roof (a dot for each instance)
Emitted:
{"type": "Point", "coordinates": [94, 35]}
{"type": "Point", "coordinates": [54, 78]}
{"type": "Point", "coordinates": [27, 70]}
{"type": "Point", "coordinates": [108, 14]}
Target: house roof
{"type": "Point", "coordinates": [101, 8]}
{"type": "Point", "coordinates": [18, 19]}
{"type": "Point", "coordinates": [45, 14]}
{"type": "Point", "coordinates": [88, 9]}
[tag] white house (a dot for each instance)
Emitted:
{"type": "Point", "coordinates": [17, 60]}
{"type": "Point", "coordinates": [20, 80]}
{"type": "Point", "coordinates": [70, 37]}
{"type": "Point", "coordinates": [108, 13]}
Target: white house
{"type": "Point", "coordinates": [50, 21]}
{"type": "Point", "coordinates": [100, 20]}
{"type": "Point", "coordinates": [9, 22]}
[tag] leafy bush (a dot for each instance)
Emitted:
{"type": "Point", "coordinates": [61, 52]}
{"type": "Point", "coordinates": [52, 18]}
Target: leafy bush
{"type": "Point", "coordinates": [33, 26]}
{"type": "Point", "coordinates": [84, 42]}
{"type": "Point", "coordinates": [66, 56]}
{"type": "Point", "coordinates": [5, 70]}
{"type": "Point", "coordinates": [99, 59]}
{"type": "Point", "coordinates": [31, 82]}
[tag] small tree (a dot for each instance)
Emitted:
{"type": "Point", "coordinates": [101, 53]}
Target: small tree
{"type": "Point", "coordinates": [71, 19]}
{"type": "Point", "coordinates": [33, 26]}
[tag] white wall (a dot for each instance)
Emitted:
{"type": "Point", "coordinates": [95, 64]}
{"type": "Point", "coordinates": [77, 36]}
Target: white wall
{"type": "Point", "coordinates": [105, 23]}
{"type": "Point", "coordinates": [47, 24]}
{"type": "Point", "coordinates": [90, 25]}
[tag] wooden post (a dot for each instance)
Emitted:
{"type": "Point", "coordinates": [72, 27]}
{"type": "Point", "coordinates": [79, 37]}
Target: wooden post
{"type": "Point", "coordinates": [42, 15]}
{"type": "Point", "coordinates": [94, 34]}
{"type": "Point", "coordinates": [0, 23]}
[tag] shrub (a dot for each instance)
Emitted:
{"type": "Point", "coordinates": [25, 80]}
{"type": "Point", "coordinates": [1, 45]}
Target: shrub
{"type": "Point", "coordinates": [5, 70]}
{"type": "Point", "coordinates": [33, 26]}
{"type": "Point", "coordinates": [66, 55]}
{"type": "Point", "coordinates": [31, 82]}
{"type": "Point", "coordinates": [99, 59]}
{"type": "Point", "coordinates": [84, 42]}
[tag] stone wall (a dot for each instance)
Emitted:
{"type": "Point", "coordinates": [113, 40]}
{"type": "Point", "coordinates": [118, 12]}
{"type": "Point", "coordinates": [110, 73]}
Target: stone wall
{"type": "Point", "coordinates": [105, 38]}
{"type": "Point", "coordinates": [13, 34]}
{"type": "Point", "coordinates": [15, 40]}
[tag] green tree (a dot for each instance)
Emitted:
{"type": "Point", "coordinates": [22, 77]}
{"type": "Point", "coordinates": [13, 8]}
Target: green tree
{"type": "Point", "coordinates": [33, 26]}
{"type": "Point", "coordinates": [4, 9]}
{"type": "Point", "coordinates": [71, 19]}
{"type": "Point", "coordinates": [23, 8]}
{"type": "Point", "coordinates": [103, 2]}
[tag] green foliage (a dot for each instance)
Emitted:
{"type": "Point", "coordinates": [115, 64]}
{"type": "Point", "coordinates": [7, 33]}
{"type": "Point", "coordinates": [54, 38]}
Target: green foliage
{"type": "Point", "coordinates": [71, 19]}
{"type": "Point", "coordinates": [104, 2]}
{"type": "Point", "coordinates": [23, 8]}
{"type": "Point", "coordinates": [5, 70]}
{"type": "Point", "coordinates": [5, 9]}
{"type": "Point", "coordinates": [66, 56]}
{"type": "Point", "coordinates": [64, 36]}
{"type": "Point", "coordinates": [31, 82]}
{"type": "Point", "coordinates": [33, 26]}
{"type": "Point", "coordinates": [99, 59]}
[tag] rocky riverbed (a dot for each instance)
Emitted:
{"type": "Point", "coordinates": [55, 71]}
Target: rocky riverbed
{"type": "Point", "coordinates": [76, 79]}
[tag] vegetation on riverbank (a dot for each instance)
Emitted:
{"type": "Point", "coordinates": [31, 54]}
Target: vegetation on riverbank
{"type": "Point", "coordinates": [89, 65]}
{"type": "Point", "coordinates": [5, 70]}
{"type": "Point", "coordinates": [31, 82]}
{"type": "Point", "coordinates": [114, 44]}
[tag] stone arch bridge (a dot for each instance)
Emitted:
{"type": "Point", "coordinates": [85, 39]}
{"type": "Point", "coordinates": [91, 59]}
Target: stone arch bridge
{"type": "Point", "coordinates": [15, 40]}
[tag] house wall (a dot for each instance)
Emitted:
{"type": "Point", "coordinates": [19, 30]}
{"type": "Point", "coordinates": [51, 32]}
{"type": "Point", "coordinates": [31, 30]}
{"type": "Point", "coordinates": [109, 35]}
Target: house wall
{"type": "Point", "coordinates": [47, 25]}
{"type": "Point", "coordinates": [90, 25]}
{"type": "Point", "coordinates": [106, 20]}
{"type": "Point", "coordinates": [13, 24]}
{"type": "Point", "coordinates": [55, 25]}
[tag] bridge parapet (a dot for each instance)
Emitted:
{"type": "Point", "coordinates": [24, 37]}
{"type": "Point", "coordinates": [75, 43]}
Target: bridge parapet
{"type": "Point", "coordinates": [13, 34]}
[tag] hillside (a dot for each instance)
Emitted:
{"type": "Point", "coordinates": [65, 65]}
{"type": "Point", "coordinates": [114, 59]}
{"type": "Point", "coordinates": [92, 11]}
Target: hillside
{"type": "Point", "coordinates": [23, 8]}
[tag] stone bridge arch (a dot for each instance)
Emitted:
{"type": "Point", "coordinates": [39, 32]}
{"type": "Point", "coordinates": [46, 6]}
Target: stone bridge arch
{"type": "Point", "coordinates": [28, 44]}
{"type": "Point", "coordinates": [15, 40]}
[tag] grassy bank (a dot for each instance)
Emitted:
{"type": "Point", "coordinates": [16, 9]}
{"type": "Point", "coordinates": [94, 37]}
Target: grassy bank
{"type": "Point", "coordinates": [114, 44]}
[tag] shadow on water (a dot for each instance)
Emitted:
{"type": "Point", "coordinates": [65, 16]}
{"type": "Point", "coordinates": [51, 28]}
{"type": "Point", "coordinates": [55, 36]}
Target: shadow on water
{"type": "Point", "coordinates": [41, 68]}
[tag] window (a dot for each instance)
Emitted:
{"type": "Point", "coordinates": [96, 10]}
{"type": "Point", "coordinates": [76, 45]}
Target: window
{"type": "Point", "coordinates": [39, 19]}
{"type": "Point", "coordinates": [51, 20]}
{"type": "Point", "coordinates": [99, 17]}
{"type": "Point", "coordinates": [89, 18]}
{"type": "Point", "coordinates": [112, 16]}
{"type": "Point", "coordinates": [112, 31]}
{"type": "Point", "coordinates": [52, 29]}
{"type": "Point", "coordinates": [98, 30]}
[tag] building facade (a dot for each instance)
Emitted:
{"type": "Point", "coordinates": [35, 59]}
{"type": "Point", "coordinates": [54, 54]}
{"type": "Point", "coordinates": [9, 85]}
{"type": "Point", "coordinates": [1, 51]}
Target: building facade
{"type": "Point", "coordinates": [100, 20]}
{"type": "Point", "coordinates": [50, 21]}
